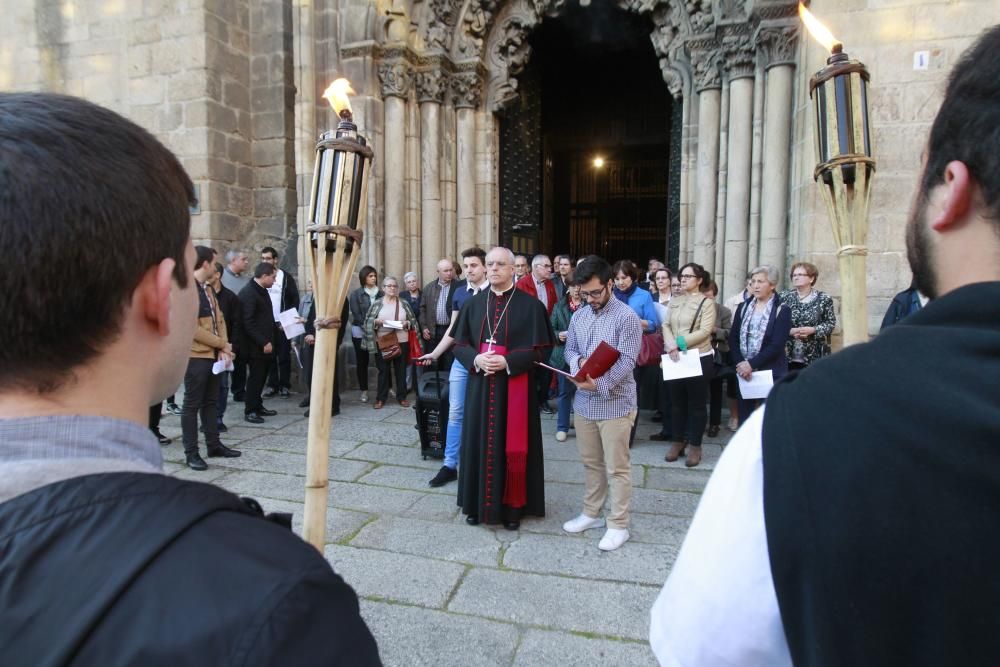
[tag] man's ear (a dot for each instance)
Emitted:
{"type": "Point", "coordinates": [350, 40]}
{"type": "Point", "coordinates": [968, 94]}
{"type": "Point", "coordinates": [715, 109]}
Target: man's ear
{"type": "Point", "coordinates": [154, 290]}
{"type": "Point", "coordinates": [956, 197]}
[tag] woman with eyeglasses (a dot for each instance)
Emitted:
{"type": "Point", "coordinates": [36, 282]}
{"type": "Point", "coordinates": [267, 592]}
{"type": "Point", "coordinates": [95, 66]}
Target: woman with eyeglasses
{"type": "Point", "coordinates": [627, 290]}
{"type": "Point", "coordinates": [690, 327]}
{"type": "Point", "coordinates": [390, 314]}
{"type": "Point", "coordinates": [813, 317]}
{"type": "Point", "coordinates": [760, 329]}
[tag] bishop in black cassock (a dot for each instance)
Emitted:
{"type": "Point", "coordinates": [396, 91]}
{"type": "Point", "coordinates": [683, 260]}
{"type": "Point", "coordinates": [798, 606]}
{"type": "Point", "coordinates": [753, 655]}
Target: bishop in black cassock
{"type": "Point", "coordinates": [501, 469]}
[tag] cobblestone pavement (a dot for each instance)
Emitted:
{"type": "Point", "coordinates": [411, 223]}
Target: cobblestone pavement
{"type": "Point", "coordinates": [436, 591]}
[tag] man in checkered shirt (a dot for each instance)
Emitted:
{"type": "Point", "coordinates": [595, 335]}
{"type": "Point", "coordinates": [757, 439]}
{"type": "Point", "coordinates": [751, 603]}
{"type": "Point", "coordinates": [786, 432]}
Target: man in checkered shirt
{"type": "Point", "coordinates": [606, 406]}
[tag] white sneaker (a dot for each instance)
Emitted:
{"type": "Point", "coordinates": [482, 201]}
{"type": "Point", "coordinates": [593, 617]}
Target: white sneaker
{"type": "Point", "coordinates": [561, 436]}
{"type": "Point", "coordinates": [614, 538]}
{"type": "Point", "coordinates": [733, 424]}
{"type": "Point", "coordinates": [364, 397]}
{"type": "Point", "coordinates": [392, 392]}
{"type": "Point", "coordinates": [582, 523]}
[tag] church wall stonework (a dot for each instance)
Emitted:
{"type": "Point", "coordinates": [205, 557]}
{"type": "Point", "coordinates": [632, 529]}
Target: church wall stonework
{"type": "Point", "coordinates": [234, 88]}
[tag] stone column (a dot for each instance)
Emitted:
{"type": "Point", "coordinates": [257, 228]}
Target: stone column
{"type": "Point", "coordinates": [395, 81]}
{"type": "Point", "coordinates": [431, 86]}
{"type": "Point", "coordinates": [756, 166]}
{"type": "Point", "coordinates": [467, 92]}
{"type": "Point", "coordinates": [719, 234]}
{"type": "Point", "coordinates": [777, 45]}
{"type": "Point", "coordinates": [739, 64]}
{"type": "Point", "coordinates": [708, 84]}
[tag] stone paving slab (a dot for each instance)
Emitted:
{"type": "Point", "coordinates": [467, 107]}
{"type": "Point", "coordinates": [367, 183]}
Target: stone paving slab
{"type": "Point", "coordinates": [434, 506]}
{"type": "Point", "coordinates": [578, 556]}
{"type": "Point", "coordinates": [400, 477]}
{"type": "Point", "coordinates": [644, 528]}
{"type": "Point", "coordinates": [418, 637]}
{"type": "Point", "coordinates": [340, 524]}
{"type": "Point", "coordinates": [344, 428]}
{"type": "Point", "coordinates": [673, 479]}
{"type": "Point", "coordinates": [582, 605]}
{"type": "Point", "coordinates": [452, 542]}
{"type": "Point", "coordinates": [296, 444]}
{"type": "Point", "coordinates": [395, 577]}
{"type": "Point", "coordinates": [408, 455]}
{"type": "Point", "coordinates": [262, 460]}
{"type": "Point", "coordinates": [544, 647]}
{"type": "Point", "coordinates": [676, 503]}
{"type": "Point", "coordinates": [573, 472]}
{"type": "Point", "coordinates": [651, 453]}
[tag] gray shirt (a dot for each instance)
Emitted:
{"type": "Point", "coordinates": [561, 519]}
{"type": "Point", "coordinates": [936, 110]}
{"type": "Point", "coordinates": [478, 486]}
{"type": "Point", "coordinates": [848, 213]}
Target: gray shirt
{"type": "Point", "coordinates": [38, 451]}
{"type": "Point", "coordinates": [234, 282]}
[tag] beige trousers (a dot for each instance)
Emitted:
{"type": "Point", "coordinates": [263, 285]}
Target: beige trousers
{"type": "Point", "coordinates": [603, 447]}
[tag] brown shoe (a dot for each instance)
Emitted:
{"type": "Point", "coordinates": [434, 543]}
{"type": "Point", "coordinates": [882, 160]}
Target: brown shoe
{"type": "Point", "coordinates": [378, 405]}
{"type": "Point", "coordinates": [404, 403]}
{"type": "Point", "coordinates": [693, 457]}
{"type": "Point", "coordinates": [675, 452]}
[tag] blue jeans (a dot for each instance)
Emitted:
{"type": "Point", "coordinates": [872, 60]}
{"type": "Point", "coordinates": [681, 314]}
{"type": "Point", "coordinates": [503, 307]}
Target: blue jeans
{"type": "Point", "coordinates": [457, 379]}
{"type": "Point", "coordinates": [567, 391]}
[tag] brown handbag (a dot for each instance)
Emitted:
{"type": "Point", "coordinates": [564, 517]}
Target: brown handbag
{"type": "Point", "coordinates": [388, 343]}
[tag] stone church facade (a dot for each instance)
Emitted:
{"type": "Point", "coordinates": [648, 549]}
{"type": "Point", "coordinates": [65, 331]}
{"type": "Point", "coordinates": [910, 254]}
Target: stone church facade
{"type": "Point", "coordinates": [234, 88]}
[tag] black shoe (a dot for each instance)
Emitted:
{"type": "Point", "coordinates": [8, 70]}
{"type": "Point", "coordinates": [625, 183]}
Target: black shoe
{"type": "Point", "coordinates": [546, 408]}
{"type": "Point", "coordinates": [267, 413]}
{"type": "Point", "coordinates": [511, 525]}
{"type": "Point", "coordinates": [195, 462]}
{"type": "Point", "coordinates": [334, 412]}
{"type": "Point", "coordinates": [224, 452]}
{"type": "Point", "coordinates": [253, 418]}
{"type": "Point", "coordinates": [164, 440]}
{"type": "Point", "coordinates": [271, 393]}
{"type": "Point", "coordinates": [472, 520]}
{"type": "Point", "coordinates": [659, 437]}
{"type": "Point", "coordinates": [304, 403]}
{"type": "Point", "coordinates": [713, 430]}
{"type": "Point", "coordinates": [445, 475]}
{"type": "Point", "coordinates": [239, 397]}
{"type": "Point", "coordinates": [284, 393]}
{"type": "Point", "coordinates": [222, 428]}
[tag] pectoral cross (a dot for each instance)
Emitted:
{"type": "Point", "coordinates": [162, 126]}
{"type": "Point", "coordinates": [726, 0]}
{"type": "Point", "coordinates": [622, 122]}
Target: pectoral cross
{"type": "Point", "coordinates": [490, 341]}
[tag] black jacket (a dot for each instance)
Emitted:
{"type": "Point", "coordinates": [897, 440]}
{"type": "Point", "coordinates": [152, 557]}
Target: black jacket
{"type": "Point", "coordinates": [289, 292]}
{"type": "Point", "coordinates": [258, 319]}
{"type": "Point", "coordinates": [772, 349]}
{"type": "Point", "coordinates": [145, 569]}
{"type": "Point", "coordinates": [232, 313]}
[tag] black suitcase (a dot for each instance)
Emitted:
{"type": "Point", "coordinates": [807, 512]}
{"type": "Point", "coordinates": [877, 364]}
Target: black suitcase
{"type": "Point", "coordinates": [432, 412]}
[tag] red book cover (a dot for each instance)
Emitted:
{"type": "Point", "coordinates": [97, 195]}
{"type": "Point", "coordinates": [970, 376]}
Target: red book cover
{"type": "Point", "coordinates": [603, 358]}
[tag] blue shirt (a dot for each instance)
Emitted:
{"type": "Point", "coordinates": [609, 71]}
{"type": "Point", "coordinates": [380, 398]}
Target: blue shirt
{"type": "Point", "coordinates": [463, 292]}
{"type": "Point", "coordinates": [642, 303]}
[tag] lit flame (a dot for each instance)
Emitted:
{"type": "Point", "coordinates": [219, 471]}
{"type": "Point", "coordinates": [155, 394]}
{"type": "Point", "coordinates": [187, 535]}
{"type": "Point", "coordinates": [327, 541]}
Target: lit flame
{"type": "Point", "coordinates": [336, 94]}
{"type": "Point", "coordinates": [598, 162]}
{"type": "Point", "coordinates": [819, 31]}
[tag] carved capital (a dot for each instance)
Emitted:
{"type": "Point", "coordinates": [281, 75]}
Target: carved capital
{"type": "Point", "coordinates": [705, 66]}
{"type": "Point", "coordinates": [466, 90]}
{"type": "Point", "coordinates": [673, 78]}
{"type": "Point", "coordinates": [700, 16]}
{"type": "Point", "coordinates": [431, 85]}
{"type": "Point", "coordinates": [777, 44]}
{"type": "Point", "coordinates": [739, 57]}
{"type": "Point", "coordinates": [395, 79]}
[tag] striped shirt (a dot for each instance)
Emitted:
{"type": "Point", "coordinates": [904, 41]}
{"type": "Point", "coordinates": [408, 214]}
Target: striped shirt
{"type": "Point", "coordinates": [617, 325]}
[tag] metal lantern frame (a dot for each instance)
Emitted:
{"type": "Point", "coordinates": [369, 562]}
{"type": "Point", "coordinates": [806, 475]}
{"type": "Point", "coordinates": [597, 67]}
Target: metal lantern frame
{"type": "Point", "coordinates": [337, 218]}
{"type": "Point", "coordinates": [845, 170]}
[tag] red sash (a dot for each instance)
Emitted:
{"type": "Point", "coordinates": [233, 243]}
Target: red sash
{"type": "Point", "coordinates": [515, 490]}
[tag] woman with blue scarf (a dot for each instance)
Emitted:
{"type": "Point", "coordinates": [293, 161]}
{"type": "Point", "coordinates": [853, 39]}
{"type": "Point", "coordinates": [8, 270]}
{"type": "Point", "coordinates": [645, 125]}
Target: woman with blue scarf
{"type": "Point", "coordinates": [627, 290]}
{"type": "Point", "coordinates": [760, 330]}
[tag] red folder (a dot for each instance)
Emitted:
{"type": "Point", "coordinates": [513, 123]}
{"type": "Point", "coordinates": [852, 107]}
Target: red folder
{"type": "Point", "coordinates": [597, 364]}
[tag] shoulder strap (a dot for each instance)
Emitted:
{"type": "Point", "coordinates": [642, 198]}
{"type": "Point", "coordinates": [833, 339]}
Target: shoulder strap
{"type": "Point", "coordinates": [697, 314]}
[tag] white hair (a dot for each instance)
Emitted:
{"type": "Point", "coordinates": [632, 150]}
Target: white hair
{"type": "Point", "coordinates": [538, 259]}
{"type": "Point", "coordinates": [767, 270]}
{"type": "Point", "coordinates": [408, 275]}
{"type": "Point", "coordinates": [506, 251]}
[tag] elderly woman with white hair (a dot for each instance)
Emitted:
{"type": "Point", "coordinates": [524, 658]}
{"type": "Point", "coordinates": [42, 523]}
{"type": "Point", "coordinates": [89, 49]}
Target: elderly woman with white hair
{"type": "Point", "coordinates": [760, 329]}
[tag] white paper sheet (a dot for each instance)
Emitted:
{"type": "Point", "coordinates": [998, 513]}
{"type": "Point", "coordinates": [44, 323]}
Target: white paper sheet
{"type": "Point", "coordinates": [289, 321]}
{"type": "Point", "coordinates": [221, 366]}
{"type": "Point", "coordinates": [688, 366]}
{"type": "Point", "coordinates": [758, 386]}
{"type": "Point", "coordinates": [393, 324]}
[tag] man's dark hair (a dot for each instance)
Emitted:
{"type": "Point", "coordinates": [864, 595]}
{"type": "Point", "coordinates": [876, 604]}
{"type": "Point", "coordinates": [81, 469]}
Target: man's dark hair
{"type": "Point", "coordinates": [269, 249]}
{"type": "Point", "coordinates": [263, 269]}
{"type": "Point", "coordinates": [967, 126]}
{"type": "Point", "coordinates": [203, 254]}
{"type": "Point", "coordinates": [591, 266]}
{"type": "Point", "coordinates": [219, 268]}
{"type": "Point", "coordinates": [75, 180]}
{"type": "Point", "coordinates": [365, 272]}
{"type": "Point", "coordinates": [475, 251]}
{"type": "Point", "coordinates": [627, 267]}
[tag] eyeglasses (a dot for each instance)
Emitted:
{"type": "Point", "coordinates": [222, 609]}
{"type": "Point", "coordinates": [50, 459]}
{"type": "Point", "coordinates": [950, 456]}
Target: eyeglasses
{"type": "Point", "coordinates": [800, 275]}
{"type": "Point", "coordinates": [391, 285]}
{"type": "Point", "coordinates": [596, 294]}
{"type": "Point", "coordinates": [685, 276]}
